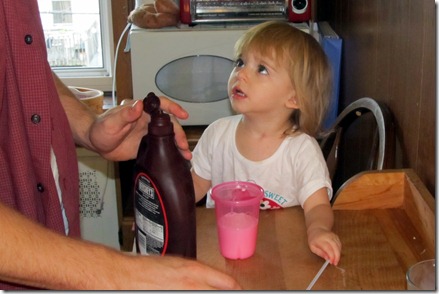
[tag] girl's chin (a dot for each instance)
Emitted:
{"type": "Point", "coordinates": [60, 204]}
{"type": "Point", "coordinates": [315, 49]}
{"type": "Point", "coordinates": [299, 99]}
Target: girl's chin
{"type": "Point", "coordinates": [236, 107]}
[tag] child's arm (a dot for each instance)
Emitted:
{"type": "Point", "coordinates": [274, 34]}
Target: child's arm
{"type": "Point", "coordinates": [319, 220]}
{"type": "Point", "coordinates": [201, 186]}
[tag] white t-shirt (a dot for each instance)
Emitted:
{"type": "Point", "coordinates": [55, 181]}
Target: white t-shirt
{"type": "Point", "coordinates": [55, 173]}
{"type": "Point", "coordinates": [295, 171]}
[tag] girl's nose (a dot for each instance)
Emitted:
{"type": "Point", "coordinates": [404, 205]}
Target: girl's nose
{"type": "Point", "coordinates": [240, 72]}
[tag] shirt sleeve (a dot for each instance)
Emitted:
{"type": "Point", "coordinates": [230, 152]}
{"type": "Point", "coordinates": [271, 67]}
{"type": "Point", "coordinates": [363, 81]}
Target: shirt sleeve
{"type": "Point", "coordinates": [202, 154]}
{"type": "Point", "coordinates": [312, 172]}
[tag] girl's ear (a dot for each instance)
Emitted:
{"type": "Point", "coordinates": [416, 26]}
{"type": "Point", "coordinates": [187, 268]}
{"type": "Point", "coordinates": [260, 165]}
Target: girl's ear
{"type": "Point", "coordinates": [291, 103]}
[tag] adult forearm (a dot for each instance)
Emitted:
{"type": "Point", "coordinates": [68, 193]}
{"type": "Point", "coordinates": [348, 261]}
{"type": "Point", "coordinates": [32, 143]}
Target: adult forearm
{"type": "Point", "coordinates": [80, 116]}
{"type": "Point", "coordinates": [35, 256]}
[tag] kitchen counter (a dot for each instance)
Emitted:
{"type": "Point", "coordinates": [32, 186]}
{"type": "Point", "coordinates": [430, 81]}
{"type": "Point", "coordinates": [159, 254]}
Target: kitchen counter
{"type": "Point", "coordinates": [385, 221]}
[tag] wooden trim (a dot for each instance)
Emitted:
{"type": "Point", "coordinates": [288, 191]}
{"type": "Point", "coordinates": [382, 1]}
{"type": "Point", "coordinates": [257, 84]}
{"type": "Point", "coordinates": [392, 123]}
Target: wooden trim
{"type": "Point", "coordinates": [419, 205]}
{"type": "Point", "coordinates": [372, 190]}
{"type": "Point", "coordinates": [120, 11]}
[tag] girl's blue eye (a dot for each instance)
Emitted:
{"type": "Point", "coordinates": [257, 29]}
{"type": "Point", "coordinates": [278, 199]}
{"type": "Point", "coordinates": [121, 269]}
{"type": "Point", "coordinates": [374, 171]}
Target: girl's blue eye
{"type": "Point", "coordinates": [239, 62]}
{"type": "Point", "coordinates": [262, 69]}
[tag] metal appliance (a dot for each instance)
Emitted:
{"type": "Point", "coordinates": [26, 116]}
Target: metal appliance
{"type": "Point", "coordinates": [204, 11]}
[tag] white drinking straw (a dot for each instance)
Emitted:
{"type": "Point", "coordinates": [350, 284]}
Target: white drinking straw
{"type": "Point", "coordinates": [318, 275]}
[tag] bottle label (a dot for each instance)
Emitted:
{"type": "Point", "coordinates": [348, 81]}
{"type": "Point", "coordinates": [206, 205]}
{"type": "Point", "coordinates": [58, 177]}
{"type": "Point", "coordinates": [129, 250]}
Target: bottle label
{"type": "Point", "coordinates": [150, 217]}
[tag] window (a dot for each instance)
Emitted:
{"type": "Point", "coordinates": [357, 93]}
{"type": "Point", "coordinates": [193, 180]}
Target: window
{"type": "Point", "coordinates": [79, 41]}
{"type": "Point", "coordinates": [62, 12]}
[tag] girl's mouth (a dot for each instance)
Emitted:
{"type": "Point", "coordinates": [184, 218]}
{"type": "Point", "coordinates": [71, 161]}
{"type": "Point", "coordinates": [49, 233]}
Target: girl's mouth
{"type": "Point", "coordinates": [238, 93]}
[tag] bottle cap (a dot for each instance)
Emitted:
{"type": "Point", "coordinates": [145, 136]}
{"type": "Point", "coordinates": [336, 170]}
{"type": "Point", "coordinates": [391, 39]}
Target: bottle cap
{"type": "Point", "coordinates": [160, 123]}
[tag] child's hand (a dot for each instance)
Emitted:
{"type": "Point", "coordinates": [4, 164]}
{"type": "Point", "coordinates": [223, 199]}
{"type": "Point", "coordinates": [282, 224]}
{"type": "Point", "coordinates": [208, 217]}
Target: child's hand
{"type": "Point", "coordinates": [319, 220]}
{"type": "Point", "coordinates": [325, 244]}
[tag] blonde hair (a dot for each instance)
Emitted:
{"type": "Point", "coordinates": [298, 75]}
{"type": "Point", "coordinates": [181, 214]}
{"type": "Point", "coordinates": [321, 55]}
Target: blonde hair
{"type": "Point", "coordinates": [308, 67]}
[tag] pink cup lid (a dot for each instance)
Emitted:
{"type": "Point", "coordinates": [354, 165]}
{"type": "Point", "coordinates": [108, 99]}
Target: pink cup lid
{"type": "Point", "coordinates": [238, 192]}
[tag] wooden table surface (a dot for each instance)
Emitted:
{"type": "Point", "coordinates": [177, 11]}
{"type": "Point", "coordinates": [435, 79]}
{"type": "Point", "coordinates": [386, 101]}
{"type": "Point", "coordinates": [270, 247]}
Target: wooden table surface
{"type": "Point", "coordinates": [379, 243]}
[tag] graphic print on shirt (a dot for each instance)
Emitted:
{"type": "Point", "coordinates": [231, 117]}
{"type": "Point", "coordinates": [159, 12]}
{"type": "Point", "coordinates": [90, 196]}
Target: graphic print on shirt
{"type": "Point", "coordinates": [272, 201]}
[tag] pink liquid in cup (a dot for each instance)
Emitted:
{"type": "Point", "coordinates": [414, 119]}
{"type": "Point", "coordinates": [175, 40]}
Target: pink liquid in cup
{"type": "Point", "coordinates": [237, 233]}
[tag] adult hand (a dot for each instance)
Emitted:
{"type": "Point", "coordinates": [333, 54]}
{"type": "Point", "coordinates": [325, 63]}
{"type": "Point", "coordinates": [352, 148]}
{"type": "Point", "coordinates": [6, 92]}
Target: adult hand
{"type": "Point", "coordinates": [116, 134]}
{"type": "Point", "coordinates": [170, 273]}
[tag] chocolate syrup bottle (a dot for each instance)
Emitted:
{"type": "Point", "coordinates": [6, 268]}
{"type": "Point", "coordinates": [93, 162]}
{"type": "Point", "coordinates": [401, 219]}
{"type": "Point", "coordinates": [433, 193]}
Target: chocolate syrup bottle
{"type": "Point", "coordinates": [164, 198]}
